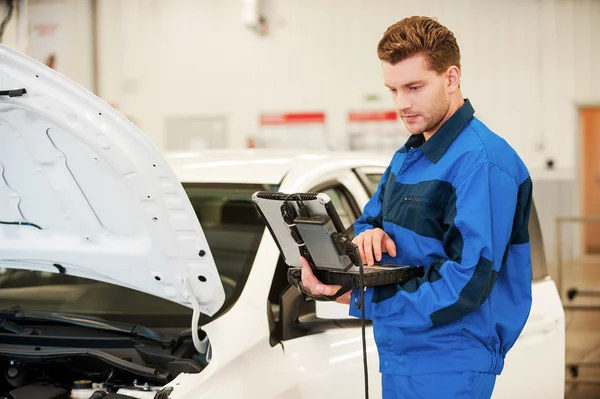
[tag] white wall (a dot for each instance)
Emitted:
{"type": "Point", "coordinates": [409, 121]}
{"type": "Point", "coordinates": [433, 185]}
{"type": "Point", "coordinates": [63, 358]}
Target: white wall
{"type": "Point", "coordinates": [526, 66]}
{"type": "Point", "coordinates": [63, 28]}
{"type": "Point", "coordinates": [526, 63]}
{"type": "Point", "coordinates": [13, 32]}
{"type": "Point", "coordinates": [60, 27]}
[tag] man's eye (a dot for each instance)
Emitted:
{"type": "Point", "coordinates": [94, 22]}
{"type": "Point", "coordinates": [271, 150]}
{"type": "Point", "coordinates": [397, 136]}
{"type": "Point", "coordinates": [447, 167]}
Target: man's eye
{"type": "Point", "coordinates": [414, 88]}
{"type": "Point", "coordinates": [393, 90]}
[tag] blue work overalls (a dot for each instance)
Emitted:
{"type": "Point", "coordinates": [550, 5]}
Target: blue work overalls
{"type": "Point", "coordinates": [459, 205]}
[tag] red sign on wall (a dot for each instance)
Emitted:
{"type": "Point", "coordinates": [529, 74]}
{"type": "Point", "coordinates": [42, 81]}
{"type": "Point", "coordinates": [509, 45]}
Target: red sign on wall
{"type": "Point", "coordinates": [372, 116]}
{"type": "Point", "coordinates": [292, 118]}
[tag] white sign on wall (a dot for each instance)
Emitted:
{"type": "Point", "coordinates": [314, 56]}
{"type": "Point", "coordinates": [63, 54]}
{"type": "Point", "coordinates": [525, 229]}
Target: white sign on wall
{"type": "Point", "coordinates": [193, 133]}
{"type": "Point", "coordinates": [375, 131]}
{"type": "Point", "coordinates": [48, 40]}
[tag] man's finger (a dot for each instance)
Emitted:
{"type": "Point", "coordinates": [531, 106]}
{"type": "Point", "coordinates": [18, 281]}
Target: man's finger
{"type": "Point", "coordinates": [368, 246]}
{"type": "Point", "coordinates": [359, 243]}
{"type": "Point", "coordinates": [322, 289]}
{"type": "Point", "coordinates": [390, 246]}
{"type": "Point", "coordinates": [312, 284]}
{"type": "Point", "coordinates": [377, 238]}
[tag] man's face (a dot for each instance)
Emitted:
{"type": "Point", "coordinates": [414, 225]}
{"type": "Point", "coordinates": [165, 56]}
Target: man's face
{"type": "Point", "coordinates": [420, 95]}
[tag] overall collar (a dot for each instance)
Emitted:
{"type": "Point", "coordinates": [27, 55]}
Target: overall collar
{"type": "Point", "coordinates": [438, 144]}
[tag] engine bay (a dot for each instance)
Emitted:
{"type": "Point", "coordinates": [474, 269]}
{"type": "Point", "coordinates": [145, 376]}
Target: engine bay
{"type": "Point", "coordinates": [139, 370]}
{"type": "Point", "coordinates": [52, 356]}
{"type": "Point", "coordinates": [74, 377]}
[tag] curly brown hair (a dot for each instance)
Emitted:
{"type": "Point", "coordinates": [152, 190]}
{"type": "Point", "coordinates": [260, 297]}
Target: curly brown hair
{"type": "Point", "coordinates": [420, 35]}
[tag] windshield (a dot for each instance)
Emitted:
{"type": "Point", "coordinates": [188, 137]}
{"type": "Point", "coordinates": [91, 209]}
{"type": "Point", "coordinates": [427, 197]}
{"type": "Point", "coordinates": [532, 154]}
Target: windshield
{"type": "Point", "coordinates": [233, 231]}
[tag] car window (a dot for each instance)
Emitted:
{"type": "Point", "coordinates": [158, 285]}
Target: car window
{"type": "Point", "coordinates": [232, 229]}
{"type": "Point", "coordinates": [373, 180]}
{"type": "Point", "coordinates": [370, 178]}
{"type": "Point", "coordinates": [539, 268]}
{"type": "Point", "coordinates": [341, 199]}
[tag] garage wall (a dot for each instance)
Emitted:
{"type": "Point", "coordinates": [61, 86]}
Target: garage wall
{"type": "Point", "coordinates": [59, 28]}
{"type": "Point", "coordinates": [63, 29]}
{"type": "Point", "coordinates": [526, 63]}
{"type": "Point", "coordinates": [526, 66]}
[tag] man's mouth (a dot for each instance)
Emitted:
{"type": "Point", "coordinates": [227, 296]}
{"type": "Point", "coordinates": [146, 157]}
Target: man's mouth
{"type": "Point", "coordinates": [410, 118]}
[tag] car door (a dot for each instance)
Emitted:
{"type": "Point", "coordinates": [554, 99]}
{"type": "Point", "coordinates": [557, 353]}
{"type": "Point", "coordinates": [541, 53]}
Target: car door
{"type": "Point", "coordinates": [324, 345]}
{"type": "Point", "coordinates": [535, 365]}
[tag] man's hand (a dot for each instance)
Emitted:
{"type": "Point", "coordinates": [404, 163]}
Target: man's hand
{"type": "Point", "coordinates": [315, 287]}
{"type": "Point", "coordinates": [371, 244]}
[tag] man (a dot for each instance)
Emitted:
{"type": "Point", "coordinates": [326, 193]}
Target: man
{"type": "Point", "coordinates": [455, 199]}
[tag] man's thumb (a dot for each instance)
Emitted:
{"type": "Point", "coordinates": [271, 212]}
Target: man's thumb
{"type": "Point", "coordinates": [319, 289]}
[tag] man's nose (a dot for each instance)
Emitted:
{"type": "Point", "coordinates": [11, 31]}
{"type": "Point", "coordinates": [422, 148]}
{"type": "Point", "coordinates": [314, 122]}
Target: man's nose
{"type": "Point", "coordinates": [402, 103]}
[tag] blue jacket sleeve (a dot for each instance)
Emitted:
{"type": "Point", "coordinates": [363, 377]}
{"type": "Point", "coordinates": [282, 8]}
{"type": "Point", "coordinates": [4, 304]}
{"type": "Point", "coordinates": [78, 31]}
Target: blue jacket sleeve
{"type": "Point", "coordinates": [479, 219]}
{"type": "Point", "coordinates": [371, 216]}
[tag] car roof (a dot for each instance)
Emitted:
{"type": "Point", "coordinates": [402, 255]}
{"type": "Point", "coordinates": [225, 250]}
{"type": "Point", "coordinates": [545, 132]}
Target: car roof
{"type": "Point", "coordinates": [261, 166]}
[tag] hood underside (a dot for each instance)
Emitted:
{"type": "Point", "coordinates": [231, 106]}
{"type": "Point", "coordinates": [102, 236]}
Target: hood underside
{"type": "Point", "coordinates": [83, 192]}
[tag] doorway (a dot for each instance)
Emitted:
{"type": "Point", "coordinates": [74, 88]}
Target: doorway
{"type": "Point", "coordinates": [589, 122]}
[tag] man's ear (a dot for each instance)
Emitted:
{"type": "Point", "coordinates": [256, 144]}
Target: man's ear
{"type": "Point", "coordinates": [453, 79]}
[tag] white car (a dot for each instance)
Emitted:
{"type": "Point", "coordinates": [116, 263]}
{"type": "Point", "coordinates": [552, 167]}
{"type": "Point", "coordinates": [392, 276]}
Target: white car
{"type": "Point", "coordinates": [111, 252]}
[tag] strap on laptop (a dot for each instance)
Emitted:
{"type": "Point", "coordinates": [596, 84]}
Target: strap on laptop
{"type": "Point", "coordinates": [344, 289]}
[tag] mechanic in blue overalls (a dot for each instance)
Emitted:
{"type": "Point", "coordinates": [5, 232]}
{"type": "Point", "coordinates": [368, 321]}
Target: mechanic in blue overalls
{"type": "Point", "coordinates": [455, 198]}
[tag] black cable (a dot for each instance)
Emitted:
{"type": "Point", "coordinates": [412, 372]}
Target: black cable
{"type": "Point", "coordinates": [300, 202]}
{"type": "Point", "coordinates": [22, 224]}
{"type": "Point", "coordinates": [288, 214]}
{"type": "Point", "coordinates": [303, 209]}
{"type": "Point", "coordinates": [362, 327]}
{"type": "Point", "coordinates": [352, 250]}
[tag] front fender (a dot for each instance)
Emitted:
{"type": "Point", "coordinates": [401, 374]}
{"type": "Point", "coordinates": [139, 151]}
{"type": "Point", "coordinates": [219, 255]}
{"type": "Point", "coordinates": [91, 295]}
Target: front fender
{"type": "Point", "coordinates": [260, 372]}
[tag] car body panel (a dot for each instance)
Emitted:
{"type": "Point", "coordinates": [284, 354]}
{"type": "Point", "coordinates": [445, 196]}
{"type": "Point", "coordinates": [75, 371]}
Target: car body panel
{"type": "Point", "coordinates": [329, 363]}
{"type": "Point", "coordinates": [534, 367]}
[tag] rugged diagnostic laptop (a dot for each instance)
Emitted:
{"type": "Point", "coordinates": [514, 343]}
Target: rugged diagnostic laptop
{"type": "Point", "coordinates": [308, 225]}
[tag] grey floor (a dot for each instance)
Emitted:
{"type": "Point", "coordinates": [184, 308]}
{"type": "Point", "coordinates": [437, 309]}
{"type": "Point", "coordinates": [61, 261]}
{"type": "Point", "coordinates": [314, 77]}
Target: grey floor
{"type": "Point", "coordinates": [583, 331]}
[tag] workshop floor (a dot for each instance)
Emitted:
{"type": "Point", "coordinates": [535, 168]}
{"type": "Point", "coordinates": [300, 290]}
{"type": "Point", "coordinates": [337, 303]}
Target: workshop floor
{"type": "Point", "coordinates": [583, 332]}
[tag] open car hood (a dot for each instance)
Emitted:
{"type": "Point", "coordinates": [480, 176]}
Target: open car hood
{"type": "Point", "coordinates": [95, 198]}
